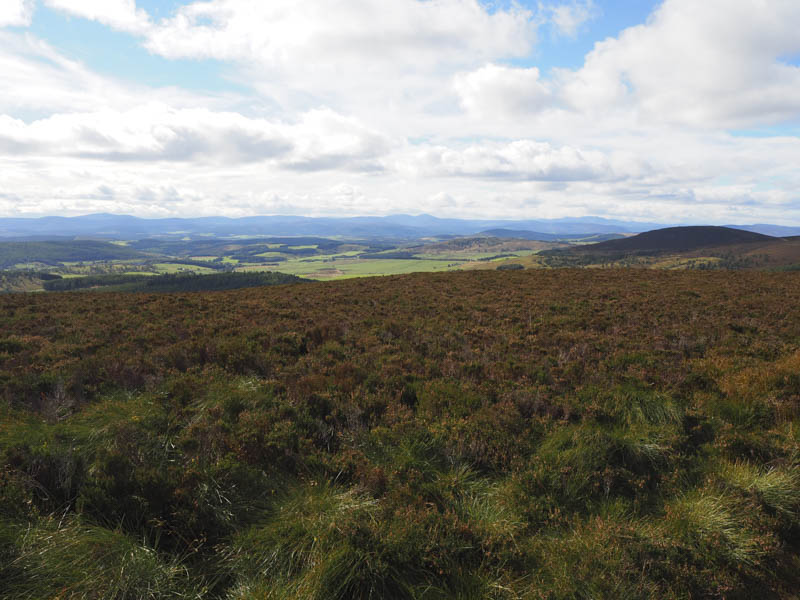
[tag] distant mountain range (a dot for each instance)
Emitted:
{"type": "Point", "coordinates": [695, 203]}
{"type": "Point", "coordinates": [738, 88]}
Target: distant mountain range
{"type": "Point", "coordinates": [108, 226]}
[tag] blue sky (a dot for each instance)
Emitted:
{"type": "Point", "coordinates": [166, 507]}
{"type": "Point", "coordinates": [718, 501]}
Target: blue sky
{"type": "Point", "coordinates": [122, 55]}
{"type": "Point", "coordinates": [673, 111]}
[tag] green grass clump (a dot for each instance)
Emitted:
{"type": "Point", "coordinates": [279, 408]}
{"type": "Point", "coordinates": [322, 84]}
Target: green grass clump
{"type": "Point", "coordinates": [776, 488]}
{"type": "Point", "coordinates": [717, 529]}
{"type": "Point", "coordinates": [488, 507]}
{"type": "Point", "coordinates": [636, 407]}
{"type": "Point", "coordinates": [69, 559]}
{"type": "Point", "coordinates": [323, 541]}
{"type": "Point", "coordinates": [578, 466]}
{"type": "Point", "coordinates": [299, 530]}
{"type": "Point", "coordinates": [599, 558]}
{"type": "Point", "coordinates": [320, 542]}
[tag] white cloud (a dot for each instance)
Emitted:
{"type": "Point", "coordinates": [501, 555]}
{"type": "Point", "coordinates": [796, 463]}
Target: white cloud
{"type": "Point", "coordinates": [699, 65]}
{"type": "Point", "coordinates": [367, 107]}
{"type": "Point", "coordinates": [567, 19]}
{"type": "Point", "coordinates": [714, 63]}
{"type": "Point", "coordinates": [38, 81]}
{"type": "Point", "coordinates": [285, 33]}
{"type": "Point", "coordinates": [522, 160]}
{"type": "Point", "coordinates": [326, 140]}
{"type": "Point", "coordinates": [368, 57]}
{"type": "Point", "coordinates": [321, 139]}
{"type": "Point", "coordinates": [500, 91]}
{"type": "Point", "coordinates": [16, 13]}
{"type": "Point", "coordinates": [150, 132]}
{"type": "Point", "coordinates": [118, 14]}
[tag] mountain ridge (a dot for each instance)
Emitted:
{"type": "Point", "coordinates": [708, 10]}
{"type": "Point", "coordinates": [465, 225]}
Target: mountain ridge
{"type": "Point", "coordinates": [399, 226]}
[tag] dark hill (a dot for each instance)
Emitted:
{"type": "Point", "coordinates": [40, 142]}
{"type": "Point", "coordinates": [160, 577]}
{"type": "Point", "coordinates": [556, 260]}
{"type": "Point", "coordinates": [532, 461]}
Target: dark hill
{"type": "Point", "coordinates": [54, 252]}
{"type": "Point", "coordinates": [172, 282]}
{"type": "Point", "coordinates": [677, 239]}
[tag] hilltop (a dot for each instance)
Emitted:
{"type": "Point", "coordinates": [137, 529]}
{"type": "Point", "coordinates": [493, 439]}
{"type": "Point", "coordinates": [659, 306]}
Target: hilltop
{"type": "Point", "coordinates": [529, 435]}
{"type": "Point", "coordinates": [677, 239]}
{"type": "Point", "coordinates": [695, 247]}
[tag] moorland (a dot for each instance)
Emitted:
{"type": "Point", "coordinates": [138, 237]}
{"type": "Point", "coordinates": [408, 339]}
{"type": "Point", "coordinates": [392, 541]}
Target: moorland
{"type": "Point", "coordinates": [531, 433]}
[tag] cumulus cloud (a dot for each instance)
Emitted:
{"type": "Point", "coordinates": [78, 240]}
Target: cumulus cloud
{"type": "Point", "coordinates": [705, 64]}
{"type": "Point", "coordinates": [419, 34]}
{"type": "Point", "coordinates": [365, 56]}
{"type": "Point", "coordinates": [16, 13]}
{"type": "Point", "coordinates": [495, 90]}
{"type": "Point", "coordinates": [523, 160]}
{"type": "Point", "coordinates": [38, 80]}
{"type": "Point", "coordinates": [326, 140]}
{"type": "Point", "coordinates": [321, 140]}
{"type": "Point", "coordinates": [119, 14]}
{"type": "Point", "coordinates": [150, 132]}
{"type": "Point", "coordinates": [568, 18]}
{"type": "Point", "coordinates": [368, 107]}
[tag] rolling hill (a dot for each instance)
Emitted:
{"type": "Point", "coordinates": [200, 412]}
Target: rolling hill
{"type": "Point", "coordinates": [53, 252]}
{"type": "Point", "coordinates": [701, 247]}
{"type": "Point", "coordinates": [171, 282]}
{"type": "Point", "coordinates": [677, 239]}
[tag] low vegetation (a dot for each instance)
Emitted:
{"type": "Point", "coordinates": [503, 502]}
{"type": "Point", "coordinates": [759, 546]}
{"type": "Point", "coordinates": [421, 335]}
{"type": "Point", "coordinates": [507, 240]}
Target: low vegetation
{"type": "Point", "coordinates": [178, 282]}
{"type": "Point", "coordinates": [525, 434]}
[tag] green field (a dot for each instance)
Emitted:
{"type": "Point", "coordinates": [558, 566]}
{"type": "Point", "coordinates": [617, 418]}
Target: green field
{"type": "Point", "coordinates": [473, 255]}
{"type": "Point", "coordinates": [324, 269]}
{"type": "Point", "coordinates": [179, 268]}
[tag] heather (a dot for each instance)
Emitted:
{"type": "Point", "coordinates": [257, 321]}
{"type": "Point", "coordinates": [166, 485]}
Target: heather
{"type": "Point", "coordinates": [536, 434]}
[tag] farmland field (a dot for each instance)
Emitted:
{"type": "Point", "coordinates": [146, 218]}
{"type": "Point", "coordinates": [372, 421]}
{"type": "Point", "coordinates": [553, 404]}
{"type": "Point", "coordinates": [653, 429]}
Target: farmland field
{"type": "Point", "coordinates": [324, 260]}
{"type": "Point", "coordinates": [340, 268]}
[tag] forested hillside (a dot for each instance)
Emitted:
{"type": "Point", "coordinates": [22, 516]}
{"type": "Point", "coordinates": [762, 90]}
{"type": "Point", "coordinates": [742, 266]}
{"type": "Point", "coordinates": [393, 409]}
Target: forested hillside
{"type": "Point", "coordinates": [55, 252]}
{"type": "Point", "coordinates": [516, 434]}
{"type": "Point", "coordinates": [171, 282]}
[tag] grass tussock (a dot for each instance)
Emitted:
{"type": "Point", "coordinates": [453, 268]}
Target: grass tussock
{"type": "Point", "coordinates": [69, 559]}
{"type": "Point", "coordinates": [710, 522]}
{"type": "Point", "coordinates": [777, 488]}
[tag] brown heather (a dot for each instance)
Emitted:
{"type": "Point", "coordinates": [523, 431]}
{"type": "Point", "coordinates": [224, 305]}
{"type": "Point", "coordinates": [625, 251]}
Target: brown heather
{"type": "Point", "coordinates": [519, 434]}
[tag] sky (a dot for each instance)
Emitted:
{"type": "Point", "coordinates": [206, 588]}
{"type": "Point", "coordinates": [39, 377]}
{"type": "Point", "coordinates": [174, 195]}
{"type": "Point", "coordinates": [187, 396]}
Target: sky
{"type": "Point", "coordinates": [678, 111]}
